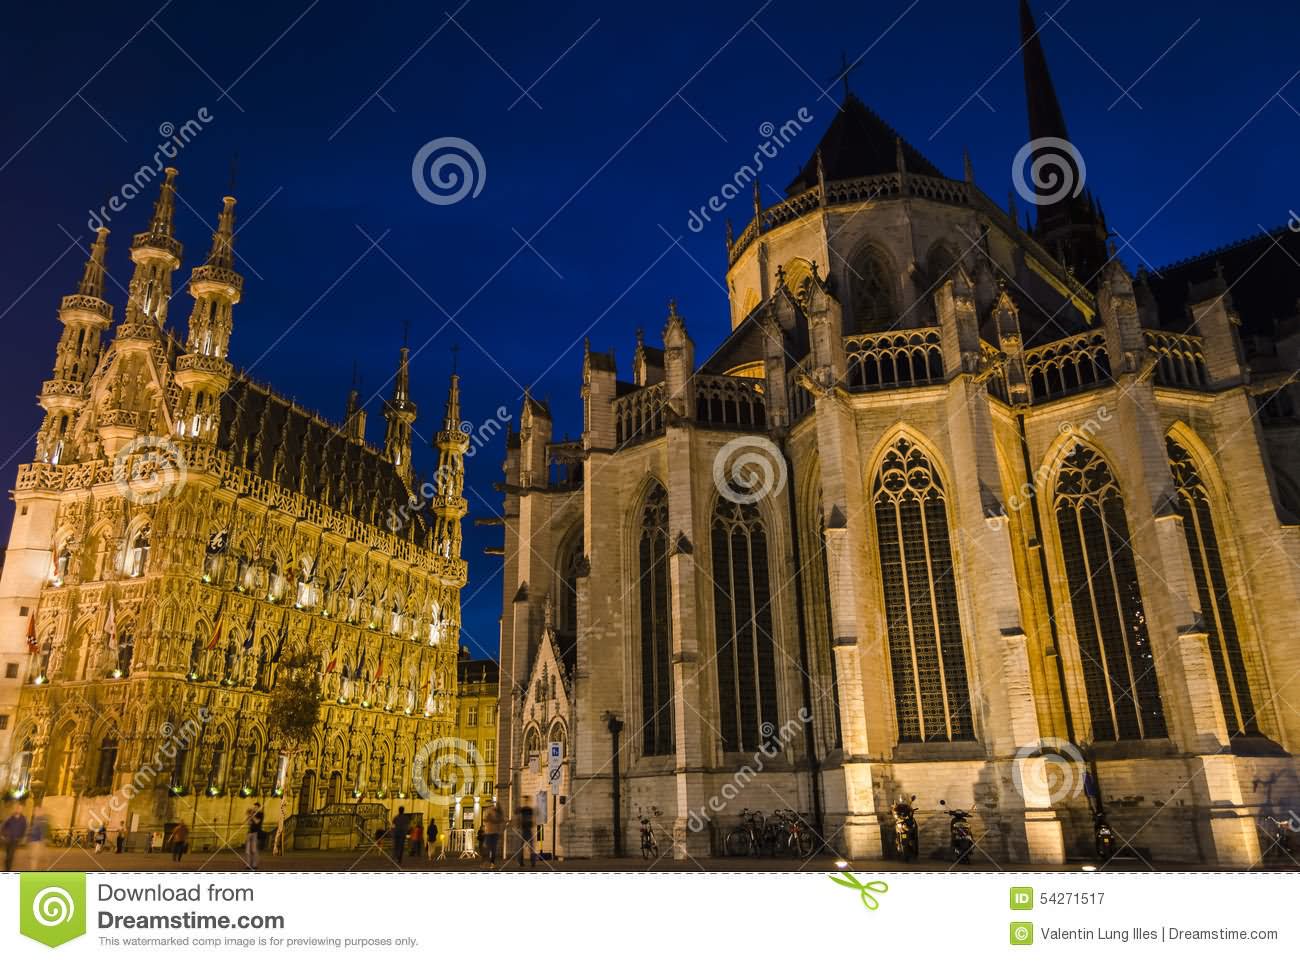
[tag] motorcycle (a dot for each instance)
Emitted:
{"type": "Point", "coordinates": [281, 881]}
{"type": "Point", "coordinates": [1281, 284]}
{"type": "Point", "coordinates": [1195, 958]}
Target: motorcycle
{"type": "Point", "coordinates": [959, 833]}
{"type": "Point", "coordinates": [906, 838]}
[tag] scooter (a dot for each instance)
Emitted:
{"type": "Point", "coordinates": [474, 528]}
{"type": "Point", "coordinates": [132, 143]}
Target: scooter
{"type": "Point", "coordinates": [906, 838]}
{"type": "Point", "coordinates": [959, 832]}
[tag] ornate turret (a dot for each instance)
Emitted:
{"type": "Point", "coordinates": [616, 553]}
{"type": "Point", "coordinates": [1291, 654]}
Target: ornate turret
{"type": "Point", "coordinates": [1070, 227]}
{"type": "Point", "coordinates": [449, 503]}
{"type": "Point", "coordinates": [399, 411]}
{"type": "Point", "coordinates": [85, 316]}
{"type": "Point", "coordinates": [156, 254]}
{"type": "Point", "coordinates": [203, 371]}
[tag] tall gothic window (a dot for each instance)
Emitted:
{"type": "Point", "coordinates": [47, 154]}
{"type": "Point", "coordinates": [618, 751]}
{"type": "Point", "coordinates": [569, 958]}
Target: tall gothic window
{"type": "Point", "coordinates": [874, 306]}
{"type": "Point", "coordinates": [656, 627]}
{"type": "Point", "coordinates": [1119, 669]}
{"type": "Point", "coordinates": [107, 763]}
{"type": "Point", "coordinates": [571, 558]}
{"type": "Point", "coordinates": [742, 604]}
{"type": "Point", "coordinates": [927, 660]}
{"type": "Point", "coordinates": [1212, 588]}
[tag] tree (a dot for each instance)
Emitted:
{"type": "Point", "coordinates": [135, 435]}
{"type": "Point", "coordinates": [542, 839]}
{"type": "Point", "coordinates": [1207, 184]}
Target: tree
{"type": "Point", "coordinates": [294, 714]}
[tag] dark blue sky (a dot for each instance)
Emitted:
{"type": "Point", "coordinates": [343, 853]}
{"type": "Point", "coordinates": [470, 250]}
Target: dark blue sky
{"type": "Point", "coordinates": [641, 113]}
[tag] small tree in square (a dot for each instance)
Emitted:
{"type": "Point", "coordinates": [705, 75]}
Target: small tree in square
{"type": "Point", "coordinates": [294, 714]}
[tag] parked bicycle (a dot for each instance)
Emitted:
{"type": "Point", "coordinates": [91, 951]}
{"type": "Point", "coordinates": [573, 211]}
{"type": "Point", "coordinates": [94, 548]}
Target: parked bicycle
{"type": "Point", "coordinates": [793, 835]}
{"type": "Point", "coordinates": [1277, 831]}
{"type": "Point", "coordinates": [649, 844]}
{"type": "Point", "coordinates": [749, 837]}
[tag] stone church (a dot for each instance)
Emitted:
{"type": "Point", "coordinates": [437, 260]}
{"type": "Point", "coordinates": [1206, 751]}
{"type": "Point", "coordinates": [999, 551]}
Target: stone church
{"type": "Point", "coordinates": [182, 532]}
{"type": "Point", "coordinates": [960, 508]}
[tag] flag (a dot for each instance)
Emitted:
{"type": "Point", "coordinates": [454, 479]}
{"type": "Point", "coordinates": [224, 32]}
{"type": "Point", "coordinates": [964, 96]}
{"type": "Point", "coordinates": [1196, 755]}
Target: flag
{"type": "Point", "coordinates": [279, 644]}
{"type": "Point", "coordinates": [252, 619]}
{"type": "Point", "coordinates": [329, 668]}
{"type": "Point", "coordinates": [343, 575]}
{"type": "Point", "coordinates": [110, 626]}
{"type": "Point", "coordinates": [380, 672]}
{"type": "Point", "coordinates": [32, 646]}
{"type": "Point", "coordinates": [216, 626]}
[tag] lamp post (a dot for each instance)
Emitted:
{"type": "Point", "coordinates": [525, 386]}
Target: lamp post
{"type": "Point", "coordinates": [615, 725]}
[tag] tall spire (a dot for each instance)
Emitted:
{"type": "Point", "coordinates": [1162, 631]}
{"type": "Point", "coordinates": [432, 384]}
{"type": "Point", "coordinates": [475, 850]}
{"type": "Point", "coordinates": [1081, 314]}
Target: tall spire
{"type": "Point", "coordinates": [85, 316]}
{"type": "Point", "coordinates": [222, 253]}
{"type": "Point", "coordinates": [156, 254]}
{"type": "Point", "coordinates": [92, 278]}
{"type": "Point", "coordinates": [400, 414]}
{"type": "Point", "coordinates": [449, 504]}
{"type": "Point", "coordinates": [203, 371]}
{"type": "Point", "coordinates": [1046, 118]}
{"type": "Point", "coordinates": [1069, 226]}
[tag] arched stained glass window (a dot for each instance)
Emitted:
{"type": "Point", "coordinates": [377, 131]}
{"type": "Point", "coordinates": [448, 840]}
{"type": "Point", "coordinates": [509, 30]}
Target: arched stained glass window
{"type": "Point", "coordinates": [1212, 589]}
{"type": "Point", "coordinates": [742, 604]}
{"type": "Point", "coordinates": [874, 302]}
{"type": "Point", "coordinates": [656, 627]}
{"type": "Point", "coordinates": [1119, 669]}
{"type": "Point", "coordinates": [927, 660]}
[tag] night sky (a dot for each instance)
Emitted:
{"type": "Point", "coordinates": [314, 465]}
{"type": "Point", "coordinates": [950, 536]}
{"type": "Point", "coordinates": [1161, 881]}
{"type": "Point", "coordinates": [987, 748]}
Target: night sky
{"type": "Point", "coordinates": [634, 115]}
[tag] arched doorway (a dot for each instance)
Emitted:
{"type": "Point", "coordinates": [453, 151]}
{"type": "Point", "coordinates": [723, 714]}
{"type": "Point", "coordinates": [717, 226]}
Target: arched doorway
{"type": "Point", "coordinates": [307, 793]}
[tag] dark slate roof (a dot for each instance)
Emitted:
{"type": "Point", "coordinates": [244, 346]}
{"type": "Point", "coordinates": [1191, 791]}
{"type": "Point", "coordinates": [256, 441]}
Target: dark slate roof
{"type": "Point", "coordinates": [1263, 277]}
{"type": "Point", "coordinates": [859, 143]}
{"type": "Point", "coordinates": [278, 440]}
{"type": "Point", "coordinates": [478, 671]}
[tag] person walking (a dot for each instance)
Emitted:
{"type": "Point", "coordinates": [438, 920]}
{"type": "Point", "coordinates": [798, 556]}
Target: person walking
{"type": "Point", "coordinates": [178, 841]}
{"type": "Point", "coordinates": [120, 840]}
{"type": "Point", "coordinates": [401, 827]}
{"type": "Point", "coordinates": [431, 839]}
{"type": "Point", "coordinates": [253, 842]}
{"type": "Point", "coordinates": [493, 823]}
{"type": "Point", "coordinates": [13, 831]}
{"type": "Point", "coordinates": [36, 838]}
{"type": "Point", "coordinates": [417, 840]}
{"type": "Point", "coordinates": [101, 838]}
{"type": "Point", "coordinates": [528, 835]}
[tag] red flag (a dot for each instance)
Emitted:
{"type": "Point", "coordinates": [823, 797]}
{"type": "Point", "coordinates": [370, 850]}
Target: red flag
{"type": "Point", "coordinates": [216, 627]}
{"type": "Point", "coordinates": [32, 646]}
{"type": "Point", "coordinates": [330, 668]}
{"type": "Point", "coordinates": [380, 673]}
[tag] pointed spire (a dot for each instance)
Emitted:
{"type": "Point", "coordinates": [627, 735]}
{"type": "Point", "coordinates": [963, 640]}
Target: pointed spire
{"type": "Point", "coordinates": [451, 419]}
{"type": "Point", "coordinates": [402, 380]}
{"type": "Point", "coordinates": [1045, 116]}
{"type": "Point", "coordinates": [164, 208]}
{"type": "Point", "coordinates": [968, 168]}
{"type": "Point", "coordinates": [222, 253]}
{"type": "Point", "coordinates": [92, 279]}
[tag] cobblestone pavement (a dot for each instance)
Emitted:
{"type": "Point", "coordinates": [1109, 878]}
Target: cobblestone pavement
{"type": "Point", "coordinates": [372, 859]}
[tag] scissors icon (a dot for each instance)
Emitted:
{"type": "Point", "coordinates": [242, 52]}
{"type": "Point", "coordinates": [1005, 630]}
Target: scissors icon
{"type": "Point", "coordinates": [865, 890]}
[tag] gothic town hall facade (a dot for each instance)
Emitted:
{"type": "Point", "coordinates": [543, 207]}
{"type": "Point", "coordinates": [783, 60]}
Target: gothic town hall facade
{"type": "Point", "coordinates": [182, 533]}
{"type": "Point", "coordinates": [959, 508]}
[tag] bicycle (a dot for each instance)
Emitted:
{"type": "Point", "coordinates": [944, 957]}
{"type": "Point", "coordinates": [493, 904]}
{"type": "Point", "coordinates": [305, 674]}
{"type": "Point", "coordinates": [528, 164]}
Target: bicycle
{"type": "Point", "coordinates": [749, 837]}
{"type": "Point", "coordinates": [649, 844]}
{"type": "Point", "coordinates": [1276, 832]}
{"type": "Point", "coordinates": [794, 835]}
